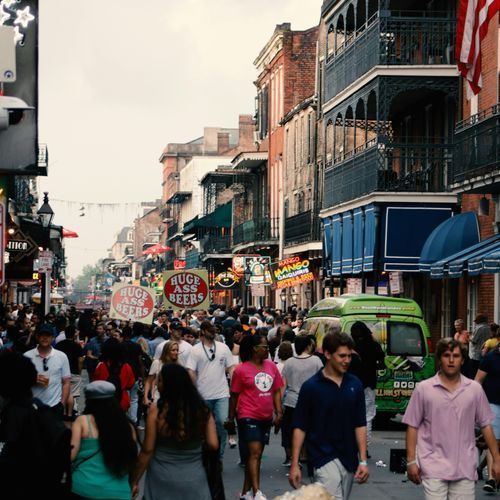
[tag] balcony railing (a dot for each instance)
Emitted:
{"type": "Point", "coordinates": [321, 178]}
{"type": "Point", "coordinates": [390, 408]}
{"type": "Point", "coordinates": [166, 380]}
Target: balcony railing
{"type": "Point", "coordinates": [301, 228]}
{"type": "Point", "coordinates": [216, 243]}
{"type": "Point", "coordinates": [259, 229]}
{"type": "Point", "coordinates": [399, 39]}
{"type": "Point", "coordinates": [172, 229]}
{"type": "Point", "coordinates": [477, 146]}
{"type": "Point", "coordinates": [411, 167]}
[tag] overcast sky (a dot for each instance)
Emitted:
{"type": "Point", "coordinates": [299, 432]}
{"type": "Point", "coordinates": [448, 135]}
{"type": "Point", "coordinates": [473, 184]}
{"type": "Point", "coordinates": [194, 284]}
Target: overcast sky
{"type": "Point", "coordinates": [119, 79]}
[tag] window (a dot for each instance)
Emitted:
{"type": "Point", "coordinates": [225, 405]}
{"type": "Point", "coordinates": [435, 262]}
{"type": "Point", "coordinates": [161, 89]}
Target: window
{"type": "Point", "coordinates": [405, 339]}
{"type": "Point", "coordinates": [319, 327]}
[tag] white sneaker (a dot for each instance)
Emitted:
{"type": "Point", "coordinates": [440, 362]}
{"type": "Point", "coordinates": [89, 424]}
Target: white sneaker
{"type": "Point", "coordinates": [247, 496]}
{"type": "Point", "coordinates": [259, 496]}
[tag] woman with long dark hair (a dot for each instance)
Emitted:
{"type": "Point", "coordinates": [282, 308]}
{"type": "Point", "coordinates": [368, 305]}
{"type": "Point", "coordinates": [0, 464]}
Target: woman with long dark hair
{"type": "Point", "coordinates": [103, 446]}
{"type": "Point", "coordinates": [255, 397]}
{"type": "Point", "coordinates": [114, 369]}
{"type": "Point", "coordinates": [176, 427]}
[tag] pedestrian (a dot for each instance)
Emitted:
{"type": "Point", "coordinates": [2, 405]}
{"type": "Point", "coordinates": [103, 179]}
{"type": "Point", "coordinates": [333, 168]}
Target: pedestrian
{"type": "Point", "coordinates": [255, 396]}
{"type": "Point", "coordinates": [297, 369]}
{"type": "Point", "coordinates": [461, 334]}
{"type": "Point", "coordinates": [158, 336]}
{"type": "Point", "coordinates": [54, 374]}
{"type": "Point", "coordinates": [75, 353]}
{"type": "Point", "coordinates": [176, 427]}
{"type": "Point", "coordinates": [336, 453]}
{"type": "Point", "coordinates": [27, 457]}
{"type": "Point", "coordinates": [440, 439]}
{"type": "Point", "coordinates": [94, 347]}
{"type": "Point", "coordinates": [493, 341]}
{"type": "Point", "coordinates": [372, 359]}
{"type": "Point", "coordinates": [176, 329]}
{"type": "Point", "coordinates": [104, 448]}
{"type": "Point", "coordinates": [208, 364]}
{"type": "Point", "coordinates": [286, 350]}
{"type": "Point", "coordinates": [170, 354]}
{"type": "Point", "coordinates": [489, 376]}
{"type": "Point", "coordinates": [480, 335]}
{"type": "Point", "coordinates": [133, 356]}
{"type": "Point", "coordinates": [113, 368]}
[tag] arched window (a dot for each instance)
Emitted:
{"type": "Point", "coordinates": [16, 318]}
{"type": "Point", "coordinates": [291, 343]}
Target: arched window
{"type": "Point", "coordinates": [340, 35]}
{"type": "Point", "coordinates": [360, 117]}
{"type": "Point", "coordinates": [329, 140]}
{"type": "Point", "coordinates": [361, 15]}
{"type": "Point", "coordinates": [338, 138]}
{"type": "Point", "coordinates": [349, 129]}
{"type": "Point", "coordinates": [330, 40]}
{"type": "Point", "coordinates": [350, 25]}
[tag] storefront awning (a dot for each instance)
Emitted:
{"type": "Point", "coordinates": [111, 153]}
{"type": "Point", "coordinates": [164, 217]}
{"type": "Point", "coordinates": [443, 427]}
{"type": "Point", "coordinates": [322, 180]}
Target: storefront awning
{"type": "Point", "coordinates": [454, 265]}
{"type": "Point", "coordinates": [393, 235]}
{"type": "Point", "coordinates": [219, 218]}
{"type": "Point", "coordinates": [451, 236]}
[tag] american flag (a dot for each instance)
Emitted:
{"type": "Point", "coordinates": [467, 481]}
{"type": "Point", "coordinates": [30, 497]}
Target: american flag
{"type": "Point", "coordinates": [473, 19]}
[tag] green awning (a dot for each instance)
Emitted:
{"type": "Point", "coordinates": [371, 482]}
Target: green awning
{"type": "Point", "coordinates": [219, 218]}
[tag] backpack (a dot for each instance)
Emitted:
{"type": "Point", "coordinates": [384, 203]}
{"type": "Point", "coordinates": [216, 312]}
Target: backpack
{"type": "Point", "coordinates": [114, 378]}
{"type": "Point", "coordinates": [53, 448]}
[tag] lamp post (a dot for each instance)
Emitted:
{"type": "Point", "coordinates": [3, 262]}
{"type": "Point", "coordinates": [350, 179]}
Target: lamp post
{"type": "Point", "coordinates": [248, 275]}
{"type": "Point", "coordinates": [45, 216]}
{"type": "Point", "coordinates": [283, 299]}
{"type": "Point", "coordinates": [294, 296]}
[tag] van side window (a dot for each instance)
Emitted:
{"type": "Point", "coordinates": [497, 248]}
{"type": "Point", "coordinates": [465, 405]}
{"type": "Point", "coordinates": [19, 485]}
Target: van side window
{"type": "Point", "coordinates": [405, 339]}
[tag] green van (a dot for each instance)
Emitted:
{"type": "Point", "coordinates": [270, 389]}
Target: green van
{"type": "Point", "coordinates": [398, 325]}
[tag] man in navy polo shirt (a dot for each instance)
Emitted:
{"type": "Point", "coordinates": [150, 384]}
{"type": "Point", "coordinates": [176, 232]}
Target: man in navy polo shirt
{"type": "Point", "coordinates": [330, 417]}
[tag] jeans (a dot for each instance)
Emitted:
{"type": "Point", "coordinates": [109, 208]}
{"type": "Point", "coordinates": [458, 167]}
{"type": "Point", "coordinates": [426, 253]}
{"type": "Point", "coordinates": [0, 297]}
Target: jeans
{"type": "Point", "coordinates": [220, 408]}
{"type": "Point", "coordinates": [134, 402]}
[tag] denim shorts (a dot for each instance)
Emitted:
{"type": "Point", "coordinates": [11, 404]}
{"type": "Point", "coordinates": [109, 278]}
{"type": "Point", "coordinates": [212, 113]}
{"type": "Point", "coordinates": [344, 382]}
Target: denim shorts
{"type": "Point", "coordinates": [496, 420]}
{"type": "Point", "coordinates": [250, 430]}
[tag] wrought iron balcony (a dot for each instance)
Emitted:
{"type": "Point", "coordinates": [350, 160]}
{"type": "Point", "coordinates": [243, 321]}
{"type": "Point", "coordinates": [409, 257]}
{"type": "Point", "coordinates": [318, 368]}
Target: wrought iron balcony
{"type": "Point", "coordinates": [477, 146]}
{"type": "Point", "coordinates": [411, 167]}
{"type": "Point", "coordinates": [216, 243]}
{"type": "Point", "coordinates": [401, 38]}
{"type": "Point", "coordinates": [301, 228]}
{"type": "Point", "coordinates": [260, 229]}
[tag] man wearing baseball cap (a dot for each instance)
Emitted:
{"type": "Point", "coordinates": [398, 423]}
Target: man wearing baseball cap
{"type": "Point", "coordinates": [176, 330]}
{"type": "Point", "coordinates": [54, 375]}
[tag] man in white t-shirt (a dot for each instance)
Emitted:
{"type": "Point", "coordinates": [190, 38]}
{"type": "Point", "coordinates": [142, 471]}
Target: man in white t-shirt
{"type": "Point", "coordinates": [184, 347]}
{"type": "Point", "coordinates": [54, 375]}
{"type": "Point", "coordinates": [208, 364]}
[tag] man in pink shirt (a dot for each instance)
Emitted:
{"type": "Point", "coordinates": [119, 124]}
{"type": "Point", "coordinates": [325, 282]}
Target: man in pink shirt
{"type": "Point", "coordinates": [440, 440]}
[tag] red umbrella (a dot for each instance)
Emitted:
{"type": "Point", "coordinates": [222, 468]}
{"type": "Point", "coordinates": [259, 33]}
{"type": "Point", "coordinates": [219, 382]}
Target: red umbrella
{"type": "Point", "coordinates": [156, 249]}
{"type": "Point", "coordinates": [67, 233]}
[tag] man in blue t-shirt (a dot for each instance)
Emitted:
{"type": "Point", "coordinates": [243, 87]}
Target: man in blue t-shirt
{"type": "Point", "coordinates": [330, 417]}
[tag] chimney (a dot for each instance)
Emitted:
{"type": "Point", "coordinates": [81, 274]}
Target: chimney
{"type": "Point", "coordinates": [222, 142]}
{"type": "Point", "coordinates": [247, 128]}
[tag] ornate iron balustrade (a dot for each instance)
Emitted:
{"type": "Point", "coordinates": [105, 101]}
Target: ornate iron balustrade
{"type": "Point", "coordinates": [403, 38]}
{"type": "Point", "coordinates": [260, 229]}
{"type": "Point", "coordinates": [301, 228]}
{"type": "Point", "coordinates": [394, 167]}
{"type": "Point", "coordinates": [172, 229]}
{"type": "Point", "coordinates": [216, 243]}
{"type": "Point", "coordinates": [477, 146]}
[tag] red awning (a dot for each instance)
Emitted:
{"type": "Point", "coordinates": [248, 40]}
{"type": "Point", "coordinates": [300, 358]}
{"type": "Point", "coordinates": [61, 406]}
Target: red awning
{"type": "Point", "coordinates": [156, 249]}
{"type": "Point", "coordinates": [67, 233]}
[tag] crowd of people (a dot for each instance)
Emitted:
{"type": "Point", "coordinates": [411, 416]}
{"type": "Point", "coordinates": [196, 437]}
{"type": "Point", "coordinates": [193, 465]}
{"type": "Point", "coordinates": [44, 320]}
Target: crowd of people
{"type": "Point", "coordinates": [90, 404]}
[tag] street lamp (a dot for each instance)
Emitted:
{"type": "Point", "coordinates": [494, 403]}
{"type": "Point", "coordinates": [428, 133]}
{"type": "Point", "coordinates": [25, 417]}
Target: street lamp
{"type": "Point", "coordinates": [294, 296]}
{"type": "Point", "coordinates": [283, 299]}
{"type": "Point", "coordinates": [45, 216]}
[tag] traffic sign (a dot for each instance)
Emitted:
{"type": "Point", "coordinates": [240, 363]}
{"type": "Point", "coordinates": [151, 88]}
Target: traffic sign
{"type": "Point", "coordinates": [45, 261]}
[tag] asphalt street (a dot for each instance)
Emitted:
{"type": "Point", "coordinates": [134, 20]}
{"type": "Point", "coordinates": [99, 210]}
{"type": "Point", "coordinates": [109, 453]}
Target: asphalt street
{"type": "Point", "coordinates": [382, 485]}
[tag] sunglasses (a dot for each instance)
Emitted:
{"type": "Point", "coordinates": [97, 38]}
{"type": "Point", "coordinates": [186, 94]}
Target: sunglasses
{"type": "Point", "coordinates": [212, 354]}
{"type": "Point", "coordinates": [45, 362]}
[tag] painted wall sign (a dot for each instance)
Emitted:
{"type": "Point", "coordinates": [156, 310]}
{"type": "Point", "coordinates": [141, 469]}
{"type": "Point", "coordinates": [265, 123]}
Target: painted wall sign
{"type": "Point", "coordinates": [291, 272]}
{"type": "Point", "coordinates": [257, 269]}
{"type": "Point", "coordinates": [131, 302]}
{"type": "Point", "coordinates": [186, 289]}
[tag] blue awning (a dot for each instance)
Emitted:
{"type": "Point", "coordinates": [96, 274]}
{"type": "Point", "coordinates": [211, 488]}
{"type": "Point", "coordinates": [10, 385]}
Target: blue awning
{"type": "Point", "coordinates": [327, 238]}
{"type": "Point", "coordinates": [491, 262]}
{"type": "Point", "coordinates": [370, 239]}
{"type": "Point", "coordinates": [337, 245]}
{"type": "Point", "coordinates": [347, 238]}
{"type": "Point", "coordinates": [453, 265]}
{"type": "Point", "coordinates": [477, 264]}
{"type": "Point", "coordinates": [450, 237]}
{"type": "Point", "coordinates": [357, 261]}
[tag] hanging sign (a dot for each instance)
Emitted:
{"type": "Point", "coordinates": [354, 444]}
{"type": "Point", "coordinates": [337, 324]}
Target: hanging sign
{"type": "Point", "coordinates": [131, 302]}
{"type": "Point", "coordinates": [291, 272]}
{"type": "Point", "coordinates": [258, 290]}
{"type": "Point", "coordinates": [45, 261]}
{"type": "Point", "coordinates": [186, 289]}
{"type": "Point", "coordinates": [226, 280]}
{"type": "Point", "coordinates": [256, 270]}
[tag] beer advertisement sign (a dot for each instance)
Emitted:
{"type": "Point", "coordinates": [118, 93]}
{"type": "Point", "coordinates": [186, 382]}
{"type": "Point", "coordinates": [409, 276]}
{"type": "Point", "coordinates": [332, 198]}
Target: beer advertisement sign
{"type": "Point", "coordinates": [187, 289]}
{"type": "Point", "coordinates": [132, 302]}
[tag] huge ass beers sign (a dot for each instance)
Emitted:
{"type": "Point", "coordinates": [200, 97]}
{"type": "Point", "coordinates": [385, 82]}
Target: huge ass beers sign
{"type": "Point", "coordinates": [131, 302]}
{"type": "Point", "coordinates": [186, 289]}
